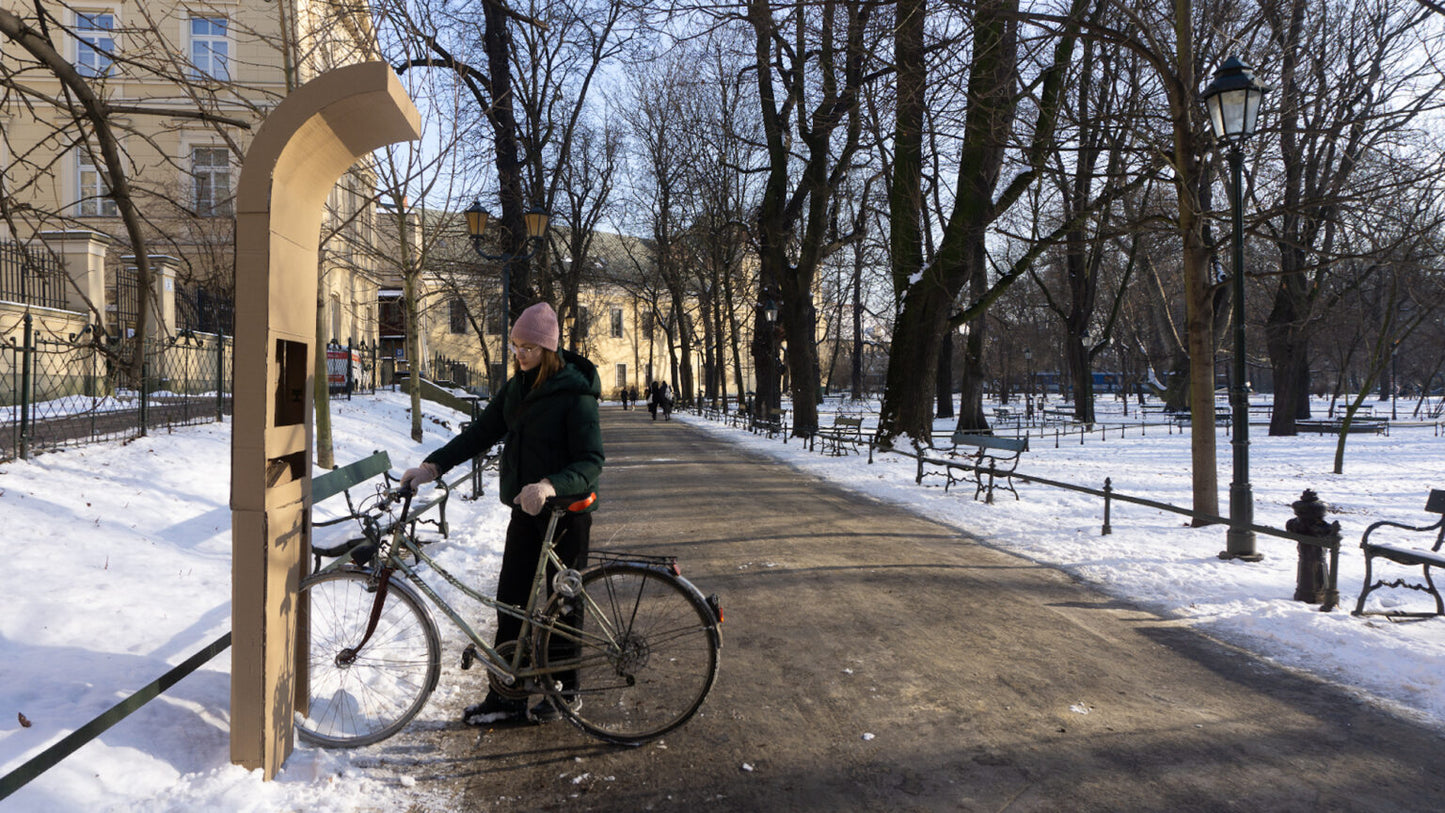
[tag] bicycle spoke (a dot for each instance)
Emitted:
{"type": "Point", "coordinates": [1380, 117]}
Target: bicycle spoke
{"type": "Point", "coordinates": [645, 658]}
{"type": "Point", "coordinates": [361, 697]}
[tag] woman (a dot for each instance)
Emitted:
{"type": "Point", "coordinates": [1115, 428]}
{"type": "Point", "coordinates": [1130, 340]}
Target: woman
{"type": "Point", "coordinates": [546, 416]}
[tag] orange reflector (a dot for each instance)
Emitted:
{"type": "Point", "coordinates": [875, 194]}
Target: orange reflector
{"type": "Point", "coordinates": [581, 505]}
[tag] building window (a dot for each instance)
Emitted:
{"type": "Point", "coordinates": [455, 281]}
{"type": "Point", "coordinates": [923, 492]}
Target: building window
{"type": "Point", "coordinates": [94, 44]}
{"type": "Point", "coordinates": [91, 189]}
{"type": "Point", "coordinates": [647, 324]}
{"type": "Point", "coordinates": [616, 323]}
{"type": "Point", "coordinates": [494, 318]}
{"type": "Point", "coordinates": [335, 317]}
{"type": "Point", "coordinates": [457, 315]}
{"type": "Point", "coordinates": [211, 174]}
{"type": "Point", "coordinates": [621, 376]}
{"type": "Point", "coordinates": [210, 48]}
{"type": "Point", "coordinates": [581, 329]}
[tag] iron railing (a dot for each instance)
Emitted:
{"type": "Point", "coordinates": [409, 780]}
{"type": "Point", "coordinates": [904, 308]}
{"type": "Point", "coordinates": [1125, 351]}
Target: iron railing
{"type": "Point", "coordinates": [31, 277]}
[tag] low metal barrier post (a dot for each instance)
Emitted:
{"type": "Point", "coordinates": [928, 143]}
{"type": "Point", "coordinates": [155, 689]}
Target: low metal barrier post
{"type": "Point", "coordinates": [220, 375]}
{"type": "Point", "coordinates": [1108, 500]}
{"type": "Point", "coordinates": [27, 353]}
{"type": "Point", "coordinates": [145, 371]}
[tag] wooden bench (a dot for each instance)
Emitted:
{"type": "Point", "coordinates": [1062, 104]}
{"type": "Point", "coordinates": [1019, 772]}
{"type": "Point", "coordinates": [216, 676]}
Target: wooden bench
{"type": "Point", "coordinates": [770, 423]}
{"type": "Point", "coordinates": [1223, 416]}
{"type": "Point", "coordinates": [1410, 556]}
{"type": "Point", "coordinates": [1048, 414]}
{"type": "Point", "coordinates": [988, 458]}
{"type": "Point", "coordinates": [342, 480]}
{"type": "Point", "coordinates": [846, 431]}
{"type": "Point", "coordinates": [336, 481]}
{"type": "Point", "coordinates": [1332, 426]}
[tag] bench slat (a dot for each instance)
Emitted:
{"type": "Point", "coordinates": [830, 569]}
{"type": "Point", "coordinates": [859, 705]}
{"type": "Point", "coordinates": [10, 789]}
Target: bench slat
{"type": "Point", "coordinates": [991, 442]}
{"type": "Point", "coordinates": [338, 480]}
{"type": "Point", "coordinates": [1406, 556]}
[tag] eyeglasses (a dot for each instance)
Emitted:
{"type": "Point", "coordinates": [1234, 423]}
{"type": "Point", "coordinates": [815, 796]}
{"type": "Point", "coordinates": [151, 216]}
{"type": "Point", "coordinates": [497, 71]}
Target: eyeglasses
{"type": "Point", "coordinates": [524, 349]}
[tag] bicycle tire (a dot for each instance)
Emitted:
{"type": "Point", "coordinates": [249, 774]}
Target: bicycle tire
{"type": "Point", "coordinates": [362, 700]}
{"type": "Point", "coordinates": [648, 653]}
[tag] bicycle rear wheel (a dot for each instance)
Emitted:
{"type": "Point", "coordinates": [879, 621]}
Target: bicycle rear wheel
{"type": "Point", "coordinates": [358, 698]}
{"type": "Point", "coordinates": [646, 655]}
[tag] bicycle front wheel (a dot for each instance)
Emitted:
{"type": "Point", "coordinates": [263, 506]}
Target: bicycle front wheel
{"type": "Point", "coordinates": [358, 697]}
{"type": "Point", "coordinates": [645, 655]}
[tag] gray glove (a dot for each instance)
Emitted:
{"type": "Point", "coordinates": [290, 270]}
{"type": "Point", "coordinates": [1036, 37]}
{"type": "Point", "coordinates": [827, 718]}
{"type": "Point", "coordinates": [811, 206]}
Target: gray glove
{"type": "Point", "coordinates": [425, 473]}
{"type": "Point", "coordinates": [534, 496]}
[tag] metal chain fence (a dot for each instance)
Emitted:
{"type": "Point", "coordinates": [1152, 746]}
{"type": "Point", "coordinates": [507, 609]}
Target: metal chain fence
{"type": "Point", "coordinates": [56, 393]}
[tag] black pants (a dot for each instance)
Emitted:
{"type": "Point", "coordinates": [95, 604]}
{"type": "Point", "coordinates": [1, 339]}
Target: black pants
{"type": "Point", "coordinates": [519, 564]}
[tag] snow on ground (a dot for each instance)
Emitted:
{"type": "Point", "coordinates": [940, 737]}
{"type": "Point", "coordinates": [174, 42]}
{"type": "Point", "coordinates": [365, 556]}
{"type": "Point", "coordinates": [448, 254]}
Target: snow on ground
{"type": "Point", "coordinates": [118, 568]}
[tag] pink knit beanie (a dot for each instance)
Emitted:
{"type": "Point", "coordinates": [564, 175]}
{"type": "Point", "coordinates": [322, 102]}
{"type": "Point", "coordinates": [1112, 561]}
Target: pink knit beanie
{"type": "Point", "coordinates": [537, 325]}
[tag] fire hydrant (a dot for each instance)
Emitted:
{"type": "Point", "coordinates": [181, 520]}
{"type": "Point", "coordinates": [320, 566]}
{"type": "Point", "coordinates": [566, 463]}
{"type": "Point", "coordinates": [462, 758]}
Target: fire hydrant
{"type": "Point", "coordinates": [1309, 520]}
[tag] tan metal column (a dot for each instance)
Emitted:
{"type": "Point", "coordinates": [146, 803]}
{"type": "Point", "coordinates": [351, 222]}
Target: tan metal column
{"type": "Point", "coordinates": [298, 155]}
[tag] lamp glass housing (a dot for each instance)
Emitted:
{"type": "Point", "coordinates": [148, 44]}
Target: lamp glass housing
{"type": "Point", "coordinates": [1233, 100]}
{"type": "Point", "coordinates": [536, 219]}
{"type": "Point", "coordinates": [477, 218]}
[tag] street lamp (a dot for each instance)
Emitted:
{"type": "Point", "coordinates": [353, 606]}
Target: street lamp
{"type": "Point", "coordinates": [770, 395]}
{"type": "Point", "coordinates": [1233, 100]}
{"type": "Point", "coordinates": [1394, 380]}
{"type": "Point", "coordinates": [536, 220]}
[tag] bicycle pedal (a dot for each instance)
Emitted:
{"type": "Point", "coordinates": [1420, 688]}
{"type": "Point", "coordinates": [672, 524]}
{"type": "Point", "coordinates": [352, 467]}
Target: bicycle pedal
{"type": "Point", "coordinates": [469, 656]}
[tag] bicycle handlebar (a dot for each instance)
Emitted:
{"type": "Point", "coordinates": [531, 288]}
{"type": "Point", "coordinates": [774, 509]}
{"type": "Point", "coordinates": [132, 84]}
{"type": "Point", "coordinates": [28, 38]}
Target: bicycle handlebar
{"type": "Point", "coordinates": [571, 502]}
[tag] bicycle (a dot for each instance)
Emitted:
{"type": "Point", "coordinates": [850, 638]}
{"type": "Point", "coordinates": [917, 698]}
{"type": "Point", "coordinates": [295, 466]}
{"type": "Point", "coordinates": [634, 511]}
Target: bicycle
{"type": "Point", "coordinates": [644, 652]}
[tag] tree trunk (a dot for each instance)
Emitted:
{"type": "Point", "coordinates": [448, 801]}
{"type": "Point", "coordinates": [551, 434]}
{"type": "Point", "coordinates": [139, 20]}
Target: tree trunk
{"type": "Point", "coordinates": [321, 389]}
{"type": "Point", "coordinates": [924, 319]}
{"type": "Point", "coordinates": [943, 388]}
{"type": "Point", "coordinates": [1081, 374]}
{"type": "Point", "coordinates": [1289, 362]}
{"type": "Point", "coordinates": [497, 43]}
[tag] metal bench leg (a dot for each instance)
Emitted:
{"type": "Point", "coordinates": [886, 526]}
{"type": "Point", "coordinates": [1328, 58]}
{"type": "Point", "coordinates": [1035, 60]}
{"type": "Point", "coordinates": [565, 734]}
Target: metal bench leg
{"type": "Point", "coordinates": [1368, 586]}
{"type": "Point", "coordinates": [1439, 605]}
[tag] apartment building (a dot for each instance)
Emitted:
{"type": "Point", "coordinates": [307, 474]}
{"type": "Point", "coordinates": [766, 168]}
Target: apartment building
{"type": "Point", "coordinates": [184, 87]}
{"type": "Point", "coordinates": [623, 320]}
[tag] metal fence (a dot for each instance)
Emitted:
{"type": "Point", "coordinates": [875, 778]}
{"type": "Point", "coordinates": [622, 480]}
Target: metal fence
{"type": "Point", "coordinates": [31, 277]}
{"type": "Point", "coordinates": [56, 393]}
{"type": "Point", "coordinates": [450, 372]}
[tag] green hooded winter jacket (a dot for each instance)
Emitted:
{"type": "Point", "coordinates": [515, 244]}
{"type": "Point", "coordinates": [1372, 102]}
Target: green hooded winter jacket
{"type": "Point", "coordinates": [551, 432]}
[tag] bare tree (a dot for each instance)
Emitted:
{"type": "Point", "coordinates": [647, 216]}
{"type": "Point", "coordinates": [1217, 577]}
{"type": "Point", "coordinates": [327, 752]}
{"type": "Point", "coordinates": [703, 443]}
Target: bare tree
{"type": "Point", "coordinates": [1352, 104]}
{"type": "Point", "coordinates": [927, 291]}
{"type": "Point", "coordinates": [97, 126]}
{"type": "Point", "coordinates": [810, 63]}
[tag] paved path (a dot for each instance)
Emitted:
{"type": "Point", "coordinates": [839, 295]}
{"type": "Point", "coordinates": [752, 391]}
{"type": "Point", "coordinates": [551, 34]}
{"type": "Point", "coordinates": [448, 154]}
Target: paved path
{"type": "Point", "coordinates": [874, 660]}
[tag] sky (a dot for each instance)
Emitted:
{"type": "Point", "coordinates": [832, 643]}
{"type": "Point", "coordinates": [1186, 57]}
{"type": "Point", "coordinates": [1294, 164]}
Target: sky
{"type": "Point", "coordinates": [118, 568]}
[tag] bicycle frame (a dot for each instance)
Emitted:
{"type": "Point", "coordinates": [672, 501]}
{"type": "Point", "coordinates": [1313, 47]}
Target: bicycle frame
{"type": "Point", "coordinates": [388, 560]}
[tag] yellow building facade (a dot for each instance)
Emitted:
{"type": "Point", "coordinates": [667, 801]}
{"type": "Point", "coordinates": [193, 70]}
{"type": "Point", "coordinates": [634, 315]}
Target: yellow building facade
{"type": "Point", "coordinates": [184, 86]}
{"type": "Point", "coordinates": [621, 323]}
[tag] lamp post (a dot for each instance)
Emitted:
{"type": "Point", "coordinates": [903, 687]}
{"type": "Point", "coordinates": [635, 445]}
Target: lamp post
{"type": "Point", "coordinates": [1394, 381]}
{"type": "Point", "coordinates": [774, 395]}
{"type": "Point", "coordinates": [536, 219]}
{"type": "Point", "coordinates": [1233, 100]}
{"type": "Point", "coordinates": [1029, 369]}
